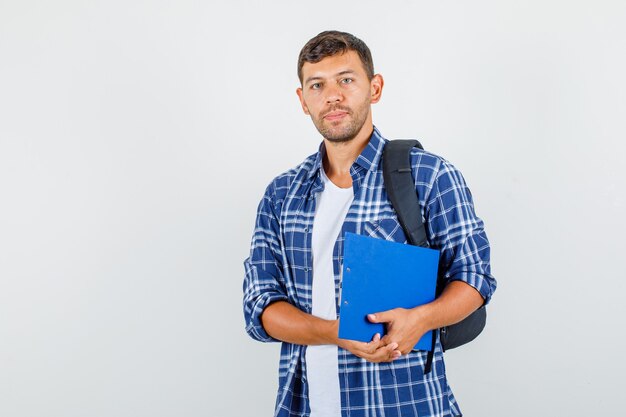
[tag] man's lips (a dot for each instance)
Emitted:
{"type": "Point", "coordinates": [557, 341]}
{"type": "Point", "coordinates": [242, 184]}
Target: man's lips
{"type": "Point", "coordinates": [335, 115]}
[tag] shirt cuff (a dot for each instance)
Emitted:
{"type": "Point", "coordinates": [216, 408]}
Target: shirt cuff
{"type": "Point", "coordinates": [254, 327]}
{"type": "Point", "coordinates": [479, 282]}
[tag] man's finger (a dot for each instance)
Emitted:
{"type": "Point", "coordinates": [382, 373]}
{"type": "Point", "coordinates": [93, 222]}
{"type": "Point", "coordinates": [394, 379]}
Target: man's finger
{"type": "Point", "coordinates": [392, 351]}
{"type": "Point", "coordinates": [367, 348]}
{"type": "Point", "coordinates": [385, 353]}
{"type": "Point", "coordinates": [382, 317]}
{"type": "Point", "coordinates": [392, 346]}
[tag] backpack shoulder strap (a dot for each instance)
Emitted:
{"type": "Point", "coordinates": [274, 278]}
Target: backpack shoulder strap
{"type": "Point", "coordinates": [400, 186]}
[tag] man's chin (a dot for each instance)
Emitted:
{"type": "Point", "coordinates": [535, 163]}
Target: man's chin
{"type": "Point", "coordinates": [337, 135]}
{"type": "Point", "coordinates": [341, 139]}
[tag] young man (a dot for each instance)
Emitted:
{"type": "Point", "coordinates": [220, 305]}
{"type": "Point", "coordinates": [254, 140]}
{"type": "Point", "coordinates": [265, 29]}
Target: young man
{"type": "Point", "coordinates": [291, 285]}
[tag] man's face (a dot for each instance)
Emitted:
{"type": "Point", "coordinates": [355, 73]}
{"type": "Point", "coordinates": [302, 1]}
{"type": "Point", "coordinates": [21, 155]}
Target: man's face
{"type": "Point", "coordinates": [337, 94]}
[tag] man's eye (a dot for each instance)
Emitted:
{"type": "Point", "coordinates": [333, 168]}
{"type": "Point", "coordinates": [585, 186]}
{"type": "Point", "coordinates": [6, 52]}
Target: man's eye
{"type": "Point", "coordinates": [316, 86]}
{"type": "Point", "coordinates": [347, 80]}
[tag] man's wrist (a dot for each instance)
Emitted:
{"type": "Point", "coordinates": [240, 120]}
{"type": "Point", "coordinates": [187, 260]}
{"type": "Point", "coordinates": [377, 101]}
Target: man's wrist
{"type": "Point", "coordinates": [424, 317]}
{"type": "Point", "coordinates": [332, 332]}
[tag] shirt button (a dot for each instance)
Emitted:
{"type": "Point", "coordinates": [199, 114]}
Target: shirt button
{"type": "Point", "coordinates": [306, 269]}
{"type": "Point", "coordinates": [306, 229]}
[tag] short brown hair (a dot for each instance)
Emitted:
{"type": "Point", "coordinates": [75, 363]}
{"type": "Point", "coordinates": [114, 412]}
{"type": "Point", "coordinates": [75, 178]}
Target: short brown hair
{"type": "Point", "coordinates": [332, 42]}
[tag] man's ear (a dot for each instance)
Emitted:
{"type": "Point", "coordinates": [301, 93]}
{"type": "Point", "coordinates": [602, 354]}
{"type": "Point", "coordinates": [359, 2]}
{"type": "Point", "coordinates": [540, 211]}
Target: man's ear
{"type": "Point", "coordinates": [305, 109]}
{"type": "Point", "coordinates": [376, 87]}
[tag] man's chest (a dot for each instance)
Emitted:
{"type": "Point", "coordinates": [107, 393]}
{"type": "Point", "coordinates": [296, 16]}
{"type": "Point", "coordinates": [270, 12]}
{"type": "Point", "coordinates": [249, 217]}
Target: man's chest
{"type": "Point", "coordinates": [370, 213]}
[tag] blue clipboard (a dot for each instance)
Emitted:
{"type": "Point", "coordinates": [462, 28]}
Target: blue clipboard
{"type": "Point", "coordinates": [380, 275]}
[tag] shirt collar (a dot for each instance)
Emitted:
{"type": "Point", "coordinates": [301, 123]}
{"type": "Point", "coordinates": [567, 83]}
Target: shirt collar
{"type": "Point", "coordinates": [370, 156]}
{"type": "Point", "coordinates": [368, 159]}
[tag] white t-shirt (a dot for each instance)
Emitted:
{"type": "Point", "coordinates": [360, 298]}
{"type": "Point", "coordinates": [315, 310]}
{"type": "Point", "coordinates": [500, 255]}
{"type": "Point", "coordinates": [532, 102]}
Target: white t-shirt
{"type": "Point", "coordinates": [332, 205]}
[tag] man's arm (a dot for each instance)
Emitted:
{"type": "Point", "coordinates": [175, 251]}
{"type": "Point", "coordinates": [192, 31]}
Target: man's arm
{"type": "Point", "coordinates": [269, 315]}
{"type": "Point", "coordinates": [285, 322]}
{"type": "Point", "coordinates": [263, 283]}
{"type": "Point", "coordinates": [288, 323]}
{"type": "Point", "coordinates": [454, 229]}
{"type": "Point", "coordinates": [406, 326]}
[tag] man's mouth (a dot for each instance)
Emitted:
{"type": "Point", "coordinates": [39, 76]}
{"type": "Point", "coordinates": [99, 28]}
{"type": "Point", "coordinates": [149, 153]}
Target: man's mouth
{"type": "Point", "coordinates": [335, 115]}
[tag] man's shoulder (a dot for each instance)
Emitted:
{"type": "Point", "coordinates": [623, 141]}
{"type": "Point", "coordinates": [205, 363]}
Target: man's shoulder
{"type": "Point", "coordinates": [280, 186]}
{"type": "Point", "coordinates": [432, 170]}
{"type": "Point", "coordinates": [427, 163]}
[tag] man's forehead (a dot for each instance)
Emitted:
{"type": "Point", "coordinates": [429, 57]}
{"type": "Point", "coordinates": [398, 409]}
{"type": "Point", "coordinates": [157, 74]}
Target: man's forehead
{"type": "Point", "coordinates": [334, 65]}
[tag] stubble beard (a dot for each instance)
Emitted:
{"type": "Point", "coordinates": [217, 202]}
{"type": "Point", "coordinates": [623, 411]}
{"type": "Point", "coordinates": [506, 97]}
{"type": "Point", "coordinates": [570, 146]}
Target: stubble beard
{"type": "Point", "coordinates": [342, 132]}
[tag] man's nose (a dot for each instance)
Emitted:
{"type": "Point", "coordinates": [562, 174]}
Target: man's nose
{"type": "Point", "coordinates": [333, 95]}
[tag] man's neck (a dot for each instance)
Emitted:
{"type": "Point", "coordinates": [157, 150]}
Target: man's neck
{"type": "Point", "coordinates": [341, 155]}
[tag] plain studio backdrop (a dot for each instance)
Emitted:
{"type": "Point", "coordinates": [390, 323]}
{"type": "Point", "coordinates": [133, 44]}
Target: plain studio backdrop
{"type": "Point", "coordinates": [137, 138]}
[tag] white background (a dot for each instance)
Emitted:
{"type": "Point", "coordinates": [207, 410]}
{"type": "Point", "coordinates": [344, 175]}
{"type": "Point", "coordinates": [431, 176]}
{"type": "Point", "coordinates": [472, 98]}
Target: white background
{"type": "Point", "coordinates": [137, 137]}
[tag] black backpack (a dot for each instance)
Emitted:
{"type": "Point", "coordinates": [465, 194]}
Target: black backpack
{"type": "Point", "coordinates": [400, 186]}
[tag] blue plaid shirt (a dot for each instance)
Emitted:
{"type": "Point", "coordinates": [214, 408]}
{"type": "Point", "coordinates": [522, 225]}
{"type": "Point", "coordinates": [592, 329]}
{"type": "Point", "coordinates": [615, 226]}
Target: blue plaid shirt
{"type": "Point", "coordinates": [280, 268]}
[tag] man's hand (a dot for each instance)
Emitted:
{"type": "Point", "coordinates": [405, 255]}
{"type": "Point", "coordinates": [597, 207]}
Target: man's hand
{"type": "Point", "coordinates": [285, 322]}
{"type": "Point", "coordinates": [404, 327]}
{"type": "Point", "coordinates": [374, 351]}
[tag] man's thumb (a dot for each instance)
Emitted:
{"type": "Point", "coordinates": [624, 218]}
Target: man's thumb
{"type": "Point", "coordinates": [378, 317]}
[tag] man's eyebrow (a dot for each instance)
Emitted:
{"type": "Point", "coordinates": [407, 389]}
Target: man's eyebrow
{"type": "Point", "coordinates": [339, 74]}
{"type": "Point", "coordinates": [308, 80]}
